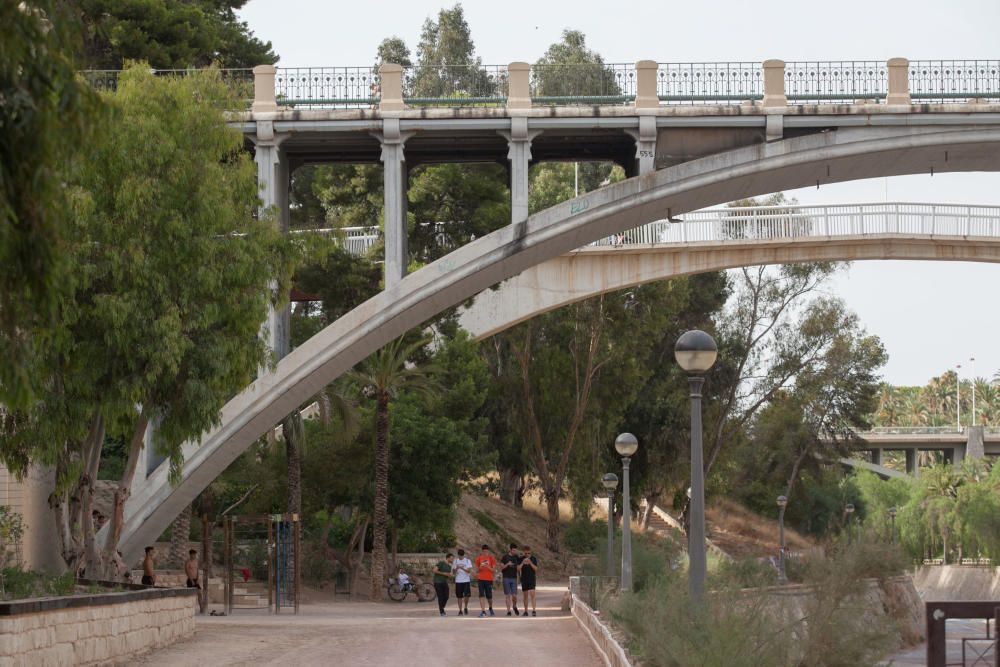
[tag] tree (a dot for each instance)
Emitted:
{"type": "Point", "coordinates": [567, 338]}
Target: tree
{"type": "Point", "coordinates": [447, 65]}
{"type": "Point", "coordinates": [45, 115]}
{"type": "Point", "coordinates": [169, 34]}
{"type": "Point", "coordinates": [381, 377]}
{"type": "Point", "coordinates": [173, 268]}
{"type": "Point", "coordinates": [575, 378]}
{"type": "Point", "coordinates": [570, 69]}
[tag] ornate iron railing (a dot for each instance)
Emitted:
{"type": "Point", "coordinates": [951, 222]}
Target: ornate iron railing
{"type": "Point", "coordinates": [455, 85]}
{"type": "Point", "coordinates": [598, 83]}
{"type": "Point", "coordinates": [954, 80]}
{"type": "Point", "coordinates": [322, 87]}
{"type": "Point", "coordinates": [715, 83]}
{"type": "Point", "coordinates": [817, 82]}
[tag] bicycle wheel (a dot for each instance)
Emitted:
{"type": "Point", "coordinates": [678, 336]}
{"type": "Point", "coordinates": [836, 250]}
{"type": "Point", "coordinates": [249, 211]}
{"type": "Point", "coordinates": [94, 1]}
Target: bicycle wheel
{"type": "Point", "coordinates": [426, 592]}
{"type": "Point", "coordinates": [396, 592]}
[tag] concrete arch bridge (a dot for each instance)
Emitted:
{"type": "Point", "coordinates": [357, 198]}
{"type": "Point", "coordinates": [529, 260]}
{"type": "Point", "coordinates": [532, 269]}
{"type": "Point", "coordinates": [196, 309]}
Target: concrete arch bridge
{"type": "Point", "coordinates": [797, 161]}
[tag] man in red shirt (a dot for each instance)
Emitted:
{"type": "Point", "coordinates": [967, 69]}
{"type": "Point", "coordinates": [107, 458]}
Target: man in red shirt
{"type": "Point", "coordinates": [486, 565]}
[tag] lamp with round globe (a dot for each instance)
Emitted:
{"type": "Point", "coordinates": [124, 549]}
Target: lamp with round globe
{"type": "Point", "coordinates": [782, 503]}
{"type": "Point", "coordinates": [892, 527]}
{"type": "Point", "coordinates": [849, 508]}
{"type": "Point", "coordinates": [626, 445]}
{"type": "Point", "coordinates": [696, 352]}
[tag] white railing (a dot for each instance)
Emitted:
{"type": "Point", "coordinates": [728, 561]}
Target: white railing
{"type": "Point", "coordinates": [761, 223]}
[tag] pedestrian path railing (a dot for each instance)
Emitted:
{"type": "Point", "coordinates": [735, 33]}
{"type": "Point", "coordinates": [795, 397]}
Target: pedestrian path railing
{"type": "Point", "coordinates": [642, 84]}
{"type": "Point", "coordinates": [768, 223]}
{"type": "Point", "coordinates": [764, 223]}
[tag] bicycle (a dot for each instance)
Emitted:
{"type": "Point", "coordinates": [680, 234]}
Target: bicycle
{"type": "Point", "coordinates": [424, 592]}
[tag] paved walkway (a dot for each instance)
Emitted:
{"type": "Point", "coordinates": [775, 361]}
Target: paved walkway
{"type": "Point", "coordinates": [367, 634]}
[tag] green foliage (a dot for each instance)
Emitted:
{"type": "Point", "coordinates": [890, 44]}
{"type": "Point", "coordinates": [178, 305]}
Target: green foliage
{"type": "Point", "coordinates": [169, 34]}
{"type": "Point", "coordinates": [570, 69]}
{"type": "Point", "coordinates": [750, 627]}
{"type": "Point", "coordinates": [653, 558]}
{"type": "Point", "coordinates": [937, 403]}
{"type": "Point", "coordinates": [46, 113]}
{"type": "Point", "coordinates": [19, 584]}
{"type": "Point", "coordinates": [503, 538]}
{"type": "Point", "coordinates": [447, 65]}
{"type": "Point", "coordinates": [583, 535]}
{"type": "Point", "coordinates": [11, 531]}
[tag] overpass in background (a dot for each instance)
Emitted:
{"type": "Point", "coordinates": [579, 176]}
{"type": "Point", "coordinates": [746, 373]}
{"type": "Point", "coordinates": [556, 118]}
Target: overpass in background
{"type": "Point", "coordinates": [955, 443]}
{"type": "Point", "coordinates": [714, 141]}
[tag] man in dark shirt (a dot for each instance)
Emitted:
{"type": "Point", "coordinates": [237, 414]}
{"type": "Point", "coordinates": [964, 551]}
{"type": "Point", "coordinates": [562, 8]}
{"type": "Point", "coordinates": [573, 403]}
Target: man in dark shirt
{"type": "Point", "coordinates": [528, 569]}
{"type": "Point", "coordinates": [442, 572]}
{"type": "Point", "coordinates": [508, 571]}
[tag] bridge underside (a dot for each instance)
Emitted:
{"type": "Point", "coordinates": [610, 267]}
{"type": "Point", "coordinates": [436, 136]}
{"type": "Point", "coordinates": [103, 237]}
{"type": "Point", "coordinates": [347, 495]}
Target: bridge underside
{"type": "Point", "coordinates": [589, 272]}
{"type": "Point", "coordinates": [827, 158]}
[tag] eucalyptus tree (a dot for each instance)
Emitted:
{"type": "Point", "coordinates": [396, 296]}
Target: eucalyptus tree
{"type": "Point", "coordinates": [381, 378]}
{"type": "Point", "coordinates": [46, 113]}
{"type": "Point", "coordinates": [172, 268]}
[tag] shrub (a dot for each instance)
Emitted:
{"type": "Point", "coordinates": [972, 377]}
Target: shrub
{"type": "Point", "coordinates": [19, 583]}
{"type": "Point", "coordinates": [820, 627]}
{"type": "Point", "coordinates": [583, 535]}
{"type": "Point", "coordinates": [653, 558]}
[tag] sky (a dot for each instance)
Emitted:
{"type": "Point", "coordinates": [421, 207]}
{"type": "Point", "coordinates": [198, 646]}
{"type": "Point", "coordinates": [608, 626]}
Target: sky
{"type": "Point", "coordinates": [929, 315]}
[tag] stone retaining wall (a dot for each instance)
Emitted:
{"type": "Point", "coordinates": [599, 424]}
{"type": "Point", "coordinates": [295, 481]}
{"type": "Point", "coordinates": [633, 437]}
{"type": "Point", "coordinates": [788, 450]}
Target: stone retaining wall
{"type": "Point", "coordinates": [93, 629]}
{"type": "Point", "coordinates": [607, 646]}
{"type": "Point", "coordinates": [943, 583]}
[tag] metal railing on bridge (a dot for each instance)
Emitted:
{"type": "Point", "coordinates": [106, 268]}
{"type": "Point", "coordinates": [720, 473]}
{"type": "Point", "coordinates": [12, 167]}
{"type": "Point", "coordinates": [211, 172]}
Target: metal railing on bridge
{"type": "Point", "coordinates": [773, 83]}
{"type": "Point", "coordinates": [760, 223]}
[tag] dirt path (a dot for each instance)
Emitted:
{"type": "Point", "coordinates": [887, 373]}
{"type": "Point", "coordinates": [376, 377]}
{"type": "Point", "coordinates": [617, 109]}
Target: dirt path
{"type": "Point", "coordinates": [366, 634]}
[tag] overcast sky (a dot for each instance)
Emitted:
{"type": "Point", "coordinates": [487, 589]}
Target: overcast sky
{"type": "Point", "coordinates": [930, 315]}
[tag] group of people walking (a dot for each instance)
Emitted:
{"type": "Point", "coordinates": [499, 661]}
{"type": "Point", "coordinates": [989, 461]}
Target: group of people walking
{"type": "Point", "coordinates": [516, 565]}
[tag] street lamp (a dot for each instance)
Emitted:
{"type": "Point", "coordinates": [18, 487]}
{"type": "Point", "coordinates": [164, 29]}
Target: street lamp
{"type": "Point", "coordinates": [625, 445]}
{"type": "Point", "coordinates": [782, 502]}
{"type": "Point", "coordinates": [892, 528]}
{"type": "Point", "coordinates": [958, 397]}
{"type": "Point", "coordinates": [973, 360]}
{"type": "Point", "coordinates": [850, 522]}
{"type": "Point", "coordinates": [610, 482]}
{"type": "Point", "coordinates": [695, 352]}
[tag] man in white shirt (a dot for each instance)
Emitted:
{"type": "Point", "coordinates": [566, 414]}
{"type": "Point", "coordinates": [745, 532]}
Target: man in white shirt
{"type": "Point", "coordinates": [463, 582]}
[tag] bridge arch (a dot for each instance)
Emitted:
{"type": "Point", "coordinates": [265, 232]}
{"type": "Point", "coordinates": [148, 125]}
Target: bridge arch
{"type": "Point", "coordinates": [731, 238]}
{"type": "Point", "coordinates": [781, 165]}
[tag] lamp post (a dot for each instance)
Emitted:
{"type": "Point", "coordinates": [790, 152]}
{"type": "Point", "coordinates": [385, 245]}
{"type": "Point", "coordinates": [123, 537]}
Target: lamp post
{"type": "Point", "coordinates": [973, 360]}
{"type": "Point", "coordinates": [782, 502]}
{"type": "Point", "coordinates": [695, 352]}
{"type": "Point", "coordinates": [850, 522]}
{"type": "Point", "coordinates": [625, 445]}
{"type": "Point", "coordinates": [892, 527]}
{"type": "Point", "coordinates": [610, 482]}
{"type": "Point", "coordinates": [958, 397]}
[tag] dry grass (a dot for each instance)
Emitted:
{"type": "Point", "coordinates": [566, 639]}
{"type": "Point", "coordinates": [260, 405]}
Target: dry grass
{"type": "Point", "coordinates": [741, 533]}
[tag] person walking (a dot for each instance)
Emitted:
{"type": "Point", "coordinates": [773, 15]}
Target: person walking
{"type": "Point", "coordinates": [462, 569]}
{"type": "Point", "coordinates": [528, 569]}
{"type": "Point", "coordinates": [486, 566]}
{"type": "Point", "coordinates": [508, 575]}
{"type": "Point", "coordinates": [442, 572]}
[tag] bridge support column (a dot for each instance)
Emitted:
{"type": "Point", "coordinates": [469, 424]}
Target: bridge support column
{"type": "Point", "coordinates": [877, 456]}
{"type": "Point", "coordinates": [974, 445]}
{"type": "Point", "coordinates": [645, 144]}
{"type": "Point", "coordinates": [519, 153]}
{"type": "Point", "coordinates": [273, 180]}
{"type": "Point", "coordinates": [394, 182]}
{"type": "Point", "coordinates": [911, 462]}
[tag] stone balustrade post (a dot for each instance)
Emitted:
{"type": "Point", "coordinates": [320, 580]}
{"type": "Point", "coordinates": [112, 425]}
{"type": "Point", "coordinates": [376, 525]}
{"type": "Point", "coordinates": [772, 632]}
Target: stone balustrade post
{"type": "Point", "coordinates": [518, 86]}
{"type": "Point", "coordinates": [774, 84]}
{"type": "Point", "coordinates": [899, 81]}
{"type": "Point", "coordinates": [263, 89]}
{"type": "Point", "coordinates": [645, 85]}
{"type": "Point", "coordinates": [391, 85]}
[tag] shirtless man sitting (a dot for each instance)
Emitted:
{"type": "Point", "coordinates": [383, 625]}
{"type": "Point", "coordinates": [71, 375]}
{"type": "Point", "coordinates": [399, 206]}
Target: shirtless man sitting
{"type": "Point", "coordinates": [148, 568]}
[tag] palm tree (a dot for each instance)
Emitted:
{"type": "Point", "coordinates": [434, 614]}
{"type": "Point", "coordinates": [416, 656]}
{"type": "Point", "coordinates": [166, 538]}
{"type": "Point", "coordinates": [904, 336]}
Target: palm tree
{"type": "Point", "coordinates": [382, 376]}
{"type": "Point", "coordinates": [332, 401]}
